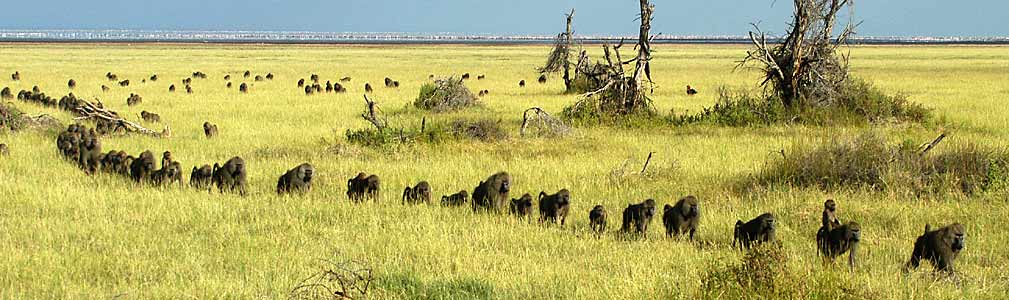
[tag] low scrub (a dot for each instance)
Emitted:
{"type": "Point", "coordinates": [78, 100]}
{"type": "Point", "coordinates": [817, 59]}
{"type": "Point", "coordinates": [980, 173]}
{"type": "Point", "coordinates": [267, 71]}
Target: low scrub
{"type": "Point", "coordinates": [484, 130]}
{"type": "Point", "coordinates": [442, 95]}
{"type": "Point", "coordinates": [870, 162]}
{"type": "Point", "coordinates": [859, 103]}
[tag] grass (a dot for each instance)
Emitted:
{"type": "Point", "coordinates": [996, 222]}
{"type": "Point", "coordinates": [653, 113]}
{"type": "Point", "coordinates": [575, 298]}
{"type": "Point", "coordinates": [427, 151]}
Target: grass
{"type": "Point", "coordinates": [67, 235]}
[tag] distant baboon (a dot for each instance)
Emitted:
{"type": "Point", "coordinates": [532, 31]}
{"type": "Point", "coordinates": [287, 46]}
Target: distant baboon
{"type": "Point", "coordinates": [142, 167]}
{"type": "Point", "coordinates": [309, 90]}
{"type": "Point", "coordinates": [227, 85]}
{"type": "Point", "coordinates": [481, 94]}
{"type": "Point", "coordinates": [759, 230]}
{"type": "Point", "coordinates": [187, 81]}
{"type": "Point", "coordinates": [329, 87]}
{"type": "Point", "coordinates": [301, 82]}
{"type": "Point", "coordinates": [395, 84]}
{"type": "Point", "coordinates": [639, 216]}
{"type": "Point", "coordinates": [133, 100]}
{"type": "Point", "coordinates": [691, 91]}
{"type": "Point", "coordinates": [597, 219]}
{"type": "Point", "coordinates": [838, 240]}
{"type": "Point", "coordinates": [298, 179]}
{"type": "Point", "coordinates": [4, 151]}
{"type": "Point", "coordinates": [124, 83]}
{"type": "Point", "coordinates": [247, 74]}
{"type": "Point", "coordinates": [420, 193]}
{"type": "Point", "coordinates": [171, 88]}
{"type": "Point", "coordinates": [150, 117]}
{"type": "Point", "coordinates": [523, 206]}
{"type": "Point", "coordinates": [480, 77]}
{"type": "Point", "coordinates": [6, 93]}
{"type": "Point", "coordinates": [522, 83]}
{"type": "Point", "coordinates": [682, 218]}
{"type": "Point", "coordinates": [258, 78]}
{"type": "Point", "coordinates": [367, 87]}
{"type": "Point", "coordinates": [202, 177]}
{"type": "Point", "coordinates": [105, 88]}
{"type": "Point", "coordinates": [231, 176]}
{"type": "Point", "coordinates": [168, 174]}
{"type": "Point", "coordinates": [941, 247]}
{"type": "Point", "coordinates": [189, 89]}
{"type": "Point", "coordinates": [200, 75]}
{"type": "Point", "coordinates": [317, 87]}
{"type": "Point", "coordinates": [227, 77]}
{"type": "Point", "coordinates": [154, 77]}
{"type": "Point", "coordinates": [269, 76]}
{"type": "Point", "coordinates": [543, 79]}
{"type": "Point", "coordinates": [16, 76]}
{"type": "Point", "coordinates": [363, 186]}
{"type": "Point", "coordinates": [465, 76]}
{"type": "Point", "coordinates": [244, 88]}
{"type": "Point", "coordinates": [339, 88]}
{"type": "Point", "coordinates": [554, 208]}
{"type": "Point", "coordinates": [71, 84]}
{"type": "Point", "coordinates": [210, 130]}
{"type": "Point", "coordinates": [314, 78]}
{"type": "Point", "coordinates": [492, 193]}
{"type": "Point", "coordinates": [111, 77]}
{"type": "Point", "coordinates": [345, 79]}
{"type": "Point", "coordinates": [388, 82]}
{"type": "Point", "coordinates": [457, 199]}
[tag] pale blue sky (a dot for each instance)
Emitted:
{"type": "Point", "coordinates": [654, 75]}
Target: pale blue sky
{"type": "Point", "coordinates": [675, 17]}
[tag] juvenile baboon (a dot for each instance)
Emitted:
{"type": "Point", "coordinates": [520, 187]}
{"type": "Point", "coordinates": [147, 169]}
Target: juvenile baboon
{"type": "Point", "coordinates": [142, 166]}
{"type": "Point", "coordinates": [829, 219]}
{"type": "Point", "coordinates": [523, 206]}
{"type": "Point", "coordinates": [298, 180]}
{"type": "Point", "coordinates": [363, 186]}
{"type": "Point", "coordinates": [597, 219]}
{"type": "Point", "coordinates": [639, 216]}
{"type": "Point", "coordinates": [171, 88]}
{"type": "Point", "coordinates": [168, 174]}
{"type": "Point", "coordinates": [166, 159]}
{"type": "Point", "coordinates": [244, 88]}
{"type": "Point", "coordinates": [210, 130]}
{"type": "Point", "coordinates": [941, 247]}
{"type": "Point", "coordinates": [367, 87]}
{"type": "Point", "coordinates": [150, 117]}
{"type": "Point", "coordinates": [555, 207]}
{"type": "Point", "coordinates": [838, 240]}
{"type": "Point", "coordinates": [301, 82]}
{"type": "Point", "coordinates": [395, 84]}
{"type": "Point", "coordinates": [231, 176]}
{"type": "Point", "coordinates": [492, 193]}
{"type": "Point", "coordinates": [522, 83]}
{"type": "Point", "coordinates": [758, 230]}
{"type": "Point", "coordinates": [420, 193]}
{"type": "Point", "coordinates": [457, 199]}
{"type": "Point", "coordinates": [202, 177]}
{"type": "Point", "coordinates": [683, 217]}
{"type": "Point", "coordinates": [543, 79]}
{"type": "Point", "coordinates": [481, 93]}
{"type": "Point", "coordinates": [71, 84]}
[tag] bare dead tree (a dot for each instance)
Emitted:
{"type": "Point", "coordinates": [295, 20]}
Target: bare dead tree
{"type": "Point", "coordinates": [560, 57]}
{"type": "Point", "coordinates": [804, 68]}
{"type": "Point", "coordinates": [336, 280]}
{"type": "Point", "coordinates": [96, 111]}
{"type": "Point", "coordinates": [371, 115]}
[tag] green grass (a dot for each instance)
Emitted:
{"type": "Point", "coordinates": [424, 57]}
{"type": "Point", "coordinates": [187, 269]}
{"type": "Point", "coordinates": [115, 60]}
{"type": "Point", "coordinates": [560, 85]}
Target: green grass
{"type": "Point", "coordinates": [68, 235]}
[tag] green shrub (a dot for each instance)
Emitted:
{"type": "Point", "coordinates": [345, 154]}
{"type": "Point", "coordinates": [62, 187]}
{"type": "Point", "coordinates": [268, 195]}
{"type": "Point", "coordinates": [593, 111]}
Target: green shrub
{"type": "Point", "coordinates": [484, 130]}
{"type": "Point", "coordinates": [443, 95]}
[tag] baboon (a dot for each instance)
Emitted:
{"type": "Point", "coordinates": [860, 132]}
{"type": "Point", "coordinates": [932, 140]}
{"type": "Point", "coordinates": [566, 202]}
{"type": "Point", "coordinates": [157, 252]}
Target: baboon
{"type": "Point", "coordinates": [329, 87]}
{"type": "Point", "coordinates": [388, 82]}
{"type": "Point", "coordinates": [492, 193]}
{"type": "Point", "coordinates": [457, 199]}
{"type": "Point", "coordinates": [941, 247]}
{"type": "Point", "coordinates": [16, 76]}
{"type": "Point", "coordinates": [430, 76]}
{"type": "Point", "coordinates": [338, 88]}
{"type": "Point", "coordinates": [150, 117]}
{"type": "Point", "coordinates": [166, 159]}
{"type": "Point", "coordinates": [639, 216]}
{"type": "Point", "coordinates": [168, 174]}
{"type": "Point", "coordinates": [838, 240]}
{"type": "Point", "coordinates": [314, 78]}
{"type": "Point", "coordinates": [227, 85]}
{"type": "Point", "coordinates": [759, 230]}
{"type": "Point", "coordinates": [111, 77]}
{"type": "Point", "coordinates": [829, 219]}
{"type": "Point", "coordinates": [105, 88]}
{"type": "Point", "coordinates": [298, 180]}
{"type": "Point", "coordinates": [154, 77]}
{"type": "Point", "coordinates": [189, 89]}
{"type": "Point", "coordinates": [543, 79]}
{"type": "Point", "coordinates": [187, 81]}
{"type": "Point", "coordinates": [4, 151]}
{"type": "Point", "coordinates": [597, 219]}
{"type": "Point", "coordinates": [395, 84]}
{"type": "Point", "coordinates": [301, 82]}
{"type": "Point", "coordinates": [269, 76]}
{"type": "Point", "coordinates": [465, 76]}
{"type": "Point", "coordinates": [247, 74]}
{"type": "Point", "coordinates": [202, 177]}
{"type": "Point", "coordinates": [71, 84]}
{"type": "Point", "coordinates": [522, 83]}
{"type": "Point", "coordinates": [200, 75]}
{"type": "Point", "coordinates": [691, 91]}
{"type": "Point", "coordinates": [231, 175]}
{"type": "Point", "coordinates": [6, 93]}
{"type": "Point", "coordinates": [227, 77]}
{"type": "Point", "coordinates": [210, 130]}
{"type": "Point", "coordinates": [171, 88]}
{"type": "Point", "coordinates": [142, 167]}
{"type": "Point", "coordinates": [345, 79]}
{"type": "Point", "coordinates": [36, 90]}
{"type": "Point", "coordinates": [367, 87]}
{"type": "Point", "coordinates": [89, 152]}
{"type": "Point", "coordinates": [124, 83]}
{"type": "Point", "coordinates": [258, 78]}
{"type": "Point", "coordinates": [420, 193]}
{"type": "Point", "coordinates": [480, 77]}
{"type": "Point", "coordinates": [682, 218]}
{"type": "Point", "coordinates": [244, 88]}
{"type": "Point", "coordinates": [523, 206]}
{"type": "Point", "coordinates": [309, 90]}
{"type": "Point", "coordinates": [133, 100]}
{"type": "Point", "coordinates": [481, 94]}
{"type": "Point", "coordinates": [555, 207]}
{"type": "Point", "coordinates": [363, 186]}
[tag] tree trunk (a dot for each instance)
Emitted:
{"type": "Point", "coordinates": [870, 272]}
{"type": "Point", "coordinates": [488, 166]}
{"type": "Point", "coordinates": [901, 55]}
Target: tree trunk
{"type": "Point", "coordinates": [642, 69]}
{"type": "Point", "coordinates": [567, 58]}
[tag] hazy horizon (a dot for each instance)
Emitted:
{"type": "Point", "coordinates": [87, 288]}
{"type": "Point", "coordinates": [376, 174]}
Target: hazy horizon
{"type": "Point", "coordinates": [517, 17]}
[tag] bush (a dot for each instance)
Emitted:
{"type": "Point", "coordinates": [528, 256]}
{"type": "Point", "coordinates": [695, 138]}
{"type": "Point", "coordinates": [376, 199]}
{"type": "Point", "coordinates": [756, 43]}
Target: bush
{"type": "Point", "coordinates": [869, 161]}
{"type": "Point", "coordinates": [484, 130]}
{"type": "Point", "coordinates": [858, 103]}
{"type": "Point", "coordinates": [443, 95]}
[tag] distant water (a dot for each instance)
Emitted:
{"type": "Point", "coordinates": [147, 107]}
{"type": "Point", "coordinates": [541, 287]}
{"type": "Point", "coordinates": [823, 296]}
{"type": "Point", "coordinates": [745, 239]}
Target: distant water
{"type": "Point", "coordinates": [295, 37]}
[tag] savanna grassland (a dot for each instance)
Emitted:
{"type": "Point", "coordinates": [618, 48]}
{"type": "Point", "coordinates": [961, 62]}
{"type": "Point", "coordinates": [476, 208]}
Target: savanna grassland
{"type": "Point", "coordinates": [67, 235]}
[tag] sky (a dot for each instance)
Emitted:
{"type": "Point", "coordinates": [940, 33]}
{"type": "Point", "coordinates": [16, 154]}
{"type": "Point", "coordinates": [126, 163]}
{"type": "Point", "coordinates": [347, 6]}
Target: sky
{"type": "Point", "coordinates": [498, 17]}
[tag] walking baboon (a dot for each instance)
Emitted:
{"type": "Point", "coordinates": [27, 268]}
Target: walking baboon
{"type": "Point", "coordinates": [522, 207]}
{"type": "Point", "coordinates": [171, 88]}
{"type": "Point", "coordinates": [243, 88]}
{"type": "Point", "coordinates": [142, 166]}
{"type": "Point", "coordinates": [298, 179]}
{"type": "Point", "coordinates": [363, 186]}
{"type": "Point", "coordinates": [367, 87]}
{"type": "Point", "coordinates": [838, 240]}
{"type": "Point", "coordinates": [941, 247]}
{"type": "Point", "coordinates": [555, 207]}
{"type": "Point", "coordinates": [492, 193]}
{"type": "Point", "coordinates": [683, 217]}
{"type": "Point", "coordinates": [150, 117]}
{"type": "Point", "coordinates": [543, 78]}
{"type": "Point", "coordinates": [457, 199]}
{"type": "Point", "coordinates": [231, 176]}
{"type": "Point", "coordinates": [639, 216]}
{"type": "Point", "coordinates": [597, 218]}
{"type": "Point", "coordinates": [758, 230]}
{"type": "Point", "coordinates": [202, 177]}
{"type": "Point", "coordinates": [210, 130]}
{"type": "Point", "coordinates": [420, 193]}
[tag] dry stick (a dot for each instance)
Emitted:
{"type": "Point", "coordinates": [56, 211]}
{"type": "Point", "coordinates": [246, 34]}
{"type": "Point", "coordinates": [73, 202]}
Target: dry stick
{"type": "Point", "coordinates": [646, 162]}
{"type": "Point", "coordinates": [371, 115]}
{"type": "Point", "coordinates": [933, 144]}
{"type": "Point", "coordinates": [423, 124]}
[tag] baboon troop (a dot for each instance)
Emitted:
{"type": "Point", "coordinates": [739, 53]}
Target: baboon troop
{"type": "Point", "coordinates": [210, 130]}
{"type": "Point", "coordinates": [491, 194]}
{"type": "Point", "coordinates": [150, 117]}
{"type": "Point", "coordinates": [231, 176]}
{"type": "Point", "coordinates": [682, 218]}
{"type": "Point", "coordinates": [363, 187]}
{"type": "Point", "coordinates": [554, 208]}
{"type": "Point", "coordinates": [757, 231]}
{"type": "Point", "coordinates": [940, 246]}
{"type": "Point", "coordinates": [522, 207]}
{"type": "Point", "coordinates": [297, 180]}
{"type": "Point", "coordinates": [457, 199]}
{"type": "Point", "coordinates": [597, 219]}
{"type": "Point", "coordinates": [420, 193]}
{"type": "Point", "coordinates": [639, 216]}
